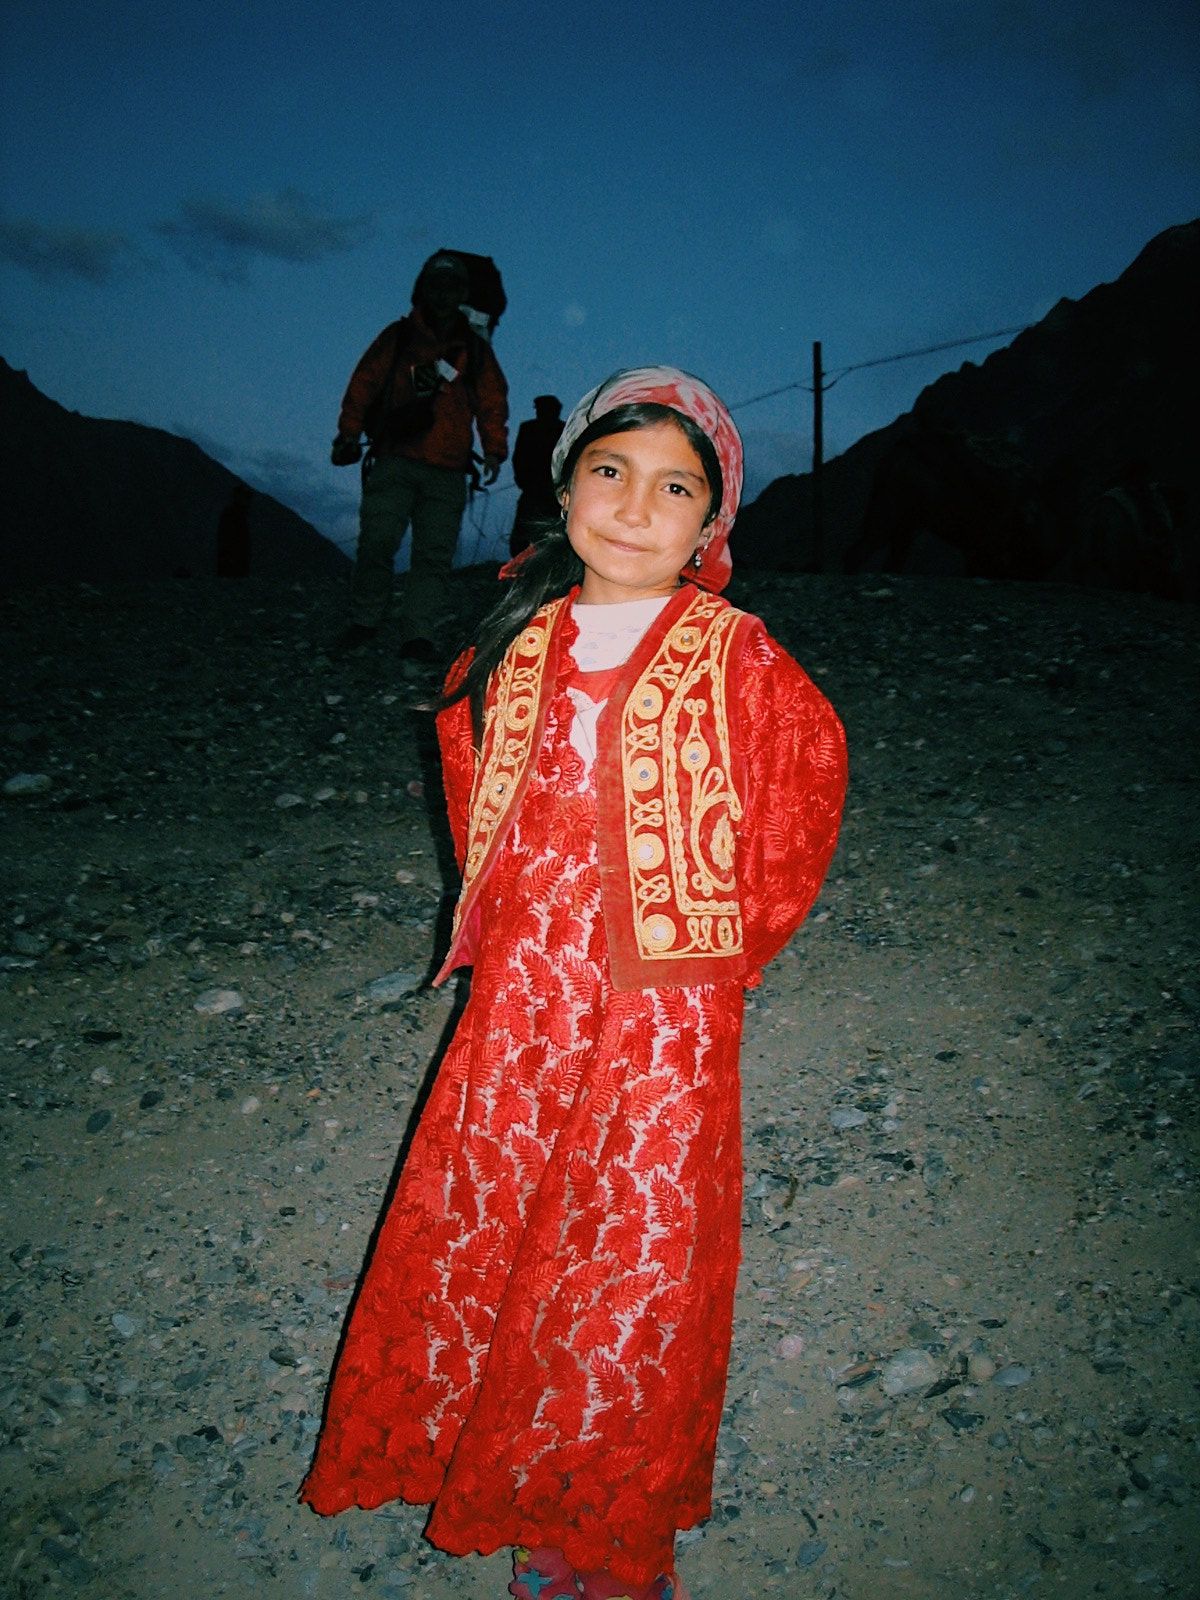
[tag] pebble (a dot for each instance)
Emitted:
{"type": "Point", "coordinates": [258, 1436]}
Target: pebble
{"type": "Point", "coordinates": [843, 1117]}
{"type": "Point", "coordinates": [28, 783]}
{"type": "Point", "coordinates": [809, 1554]}
{"type": "Point", "coordinates": [287, 801]}
{"type": "Point", "coordinates": [1012, 1377]}
{"type": "Point", "coordinates": [962, 1421]}
{"type": "Point", "coordinates": [933, 1172]}
{"type": "Point", "coordinates": [250, 1105]}
{"type": "Point", "coordinates": [68, 1562]}
{"type": "Point", "coordinates": [907, 1370]}
{"type": "Point", "coordinates": [980, 1368]}
{"type": "Point", "coordinates": [790, 1347]}
{"type": "Point", "coordinates": [125, 1325]}
{"type": "Point", "coordinates": [215, 1001]}
{"type": "Point", "coordinates": [58, 1392]}
{"type": "Point", "coordinates": [393, 985]}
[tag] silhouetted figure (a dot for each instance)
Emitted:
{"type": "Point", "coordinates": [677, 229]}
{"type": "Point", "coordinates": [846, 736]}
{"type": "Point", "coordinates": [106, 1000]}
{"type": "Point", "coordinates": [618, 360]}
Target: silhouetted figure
{"type": "Point", "coordinates": [233, 534]}
{"type": "Point", "coordinates": [531, 469]}
{"type": "Point", "coordinates": [421, 388]}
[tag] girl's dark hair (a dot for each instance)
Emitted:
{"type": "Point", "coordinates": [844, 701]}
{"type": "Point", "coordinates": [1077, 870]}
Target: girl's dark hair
{"type": "Point", "coordinates": [553, 569]}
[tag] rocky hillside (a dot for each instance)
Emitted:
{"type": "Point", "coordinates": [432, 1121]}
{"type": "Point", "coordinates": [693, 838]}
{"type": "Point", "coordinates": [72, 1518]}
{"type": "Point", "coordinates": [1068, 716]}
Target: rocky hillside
{"type": "Point", "coordinates": [1069, 454]}
{"type": "Point", "coordinates": [101, 502]}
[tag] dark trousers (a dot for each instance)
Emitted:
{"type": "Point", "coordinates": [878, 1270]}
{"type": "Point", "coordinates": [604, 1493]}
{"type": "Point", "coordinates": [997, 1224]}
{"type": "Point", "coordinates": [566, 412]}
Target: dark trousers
{"type": "Point", "coordinates": [400, 492]}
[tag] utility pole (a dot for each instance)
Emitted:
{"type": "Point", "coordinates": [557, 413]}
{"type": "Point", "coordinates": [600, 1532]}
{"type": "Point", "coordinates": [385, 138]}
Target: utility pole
{"type": "Point", "coordinates": [818, 460]}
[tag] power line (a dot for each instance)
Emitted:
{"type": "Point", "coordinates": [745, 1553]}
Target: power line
{"type": "Point", "coordinates": [931, 349]}
{"type": "Point", "coordinates": [785, 388]}
{"type": "Point", "coordinates": [881, 361]}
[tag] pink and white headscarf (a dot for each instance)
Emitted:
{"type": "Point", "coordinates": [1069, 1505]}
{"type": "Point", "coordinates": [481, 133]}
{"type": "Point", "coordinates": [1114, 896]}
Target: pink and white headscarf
{"type": "Point", "coordinates": [667, 386]}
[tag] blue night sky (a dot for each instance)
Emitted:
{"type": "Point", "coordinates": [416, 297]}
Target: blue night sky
{"type": "Point", "coordinates": [208, 210]}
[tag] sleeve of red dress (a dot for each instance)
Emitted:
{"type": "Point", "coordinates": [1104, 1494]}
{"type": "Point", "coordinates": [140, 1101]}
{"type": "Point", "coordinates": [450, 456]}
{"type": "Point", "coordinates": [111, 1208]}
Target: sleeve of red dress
{"type": "Point", "coordinates": [793, 782]}
{"type": "Point", "coordinates": [455, 739]}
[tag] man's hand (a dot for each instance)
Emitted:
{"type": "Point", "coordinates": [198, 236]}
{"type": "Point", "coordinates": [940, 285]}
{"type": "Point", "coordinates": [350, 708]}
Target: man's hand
{"type": "Point", "coordinates": [491, 468]}
{"type": "Point", "coordinates": [345, 451]}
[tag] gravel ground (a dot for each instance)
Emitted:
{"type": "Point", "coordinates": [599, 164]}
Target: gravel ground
{"type": "Point", "coordinates": [966, 1345]}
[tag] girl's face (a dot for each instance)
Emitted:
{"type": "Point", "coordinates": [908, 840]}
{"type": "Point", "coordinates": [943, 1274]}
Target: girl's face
{"type": "Point", "coordinates": [635, 512]}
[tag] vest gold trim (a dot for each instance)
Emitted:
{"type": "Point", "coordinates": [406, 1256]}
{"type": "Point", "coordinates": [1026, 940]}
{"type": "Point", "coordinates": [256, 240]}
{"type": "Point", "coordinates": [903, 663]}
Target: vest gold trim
{"type": "Point", "coordinates": [513, 721]}
{"type": "Point", "coordinates": [681, 808]}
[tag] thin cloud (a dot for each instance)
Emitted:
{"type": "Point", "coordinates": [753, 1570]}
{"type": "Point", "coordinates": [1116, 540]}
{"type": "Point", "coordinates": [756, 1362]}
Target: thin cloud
{"type": "Point", "coordinates": [60, 254]}
{"type": "Point", "coordinates": [331, 506]}
{"type": "Point", "coordinates": [327, 499]}
{"type": "Point", "coordinates": [222, 238]}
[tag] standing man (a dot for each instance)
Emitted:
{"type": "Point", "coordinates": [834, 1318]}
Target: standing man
{"type": "Point", "coordinates": [233, 534]}
{"type": "Point", "coordinates": [532, 454]}
{"type": "Point", "coordinates": [417, 392]}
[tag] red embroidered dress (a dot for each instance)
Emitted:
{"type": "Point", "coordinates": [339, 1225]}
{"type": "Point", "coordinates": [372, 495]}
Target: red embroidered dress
{"type": "Point", "coordinates": [541, 1342]}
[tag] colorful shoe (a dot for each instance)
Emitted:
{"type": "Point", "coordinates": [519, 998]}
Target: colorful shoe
{"type": "Point", "coordinates": [603, 1586]}
{"type": "Point", "coordinates": [542, 1575]}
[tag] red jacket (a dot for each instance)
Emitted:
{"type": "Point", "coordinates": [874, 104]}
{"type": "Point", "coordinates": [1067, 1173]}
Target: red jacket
{"type": "Point", "coordinates": [477, 394]}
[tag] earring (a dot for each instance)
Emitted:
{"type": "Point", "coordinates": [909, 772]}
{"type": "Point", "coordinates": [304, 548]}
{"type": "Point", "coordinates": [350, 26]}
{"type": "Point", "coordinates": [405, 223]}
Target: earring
{"type": "Point", "coordinates": [562, 510]}
{"type": "Point", "coordinates": [698, 558]}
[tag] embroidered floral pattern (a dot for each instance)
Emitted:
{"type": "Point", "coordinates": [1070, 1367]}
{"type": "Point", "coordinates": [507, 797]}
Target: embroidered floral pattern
{"type": "Point", "coordinates": [510, 724]}
{"type": "Point", "coordinates": [680, 803]}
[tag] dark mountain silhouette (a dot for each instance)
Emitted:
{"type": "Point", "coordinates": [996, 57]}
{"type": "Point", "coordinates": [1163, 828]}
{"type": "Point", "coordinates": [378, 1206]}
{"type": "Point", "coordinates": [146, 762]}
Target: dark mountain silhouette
{"type": "Point", "coordinates": [1070, 454]}
{"type": "Point", "coordinates": [96, 501]}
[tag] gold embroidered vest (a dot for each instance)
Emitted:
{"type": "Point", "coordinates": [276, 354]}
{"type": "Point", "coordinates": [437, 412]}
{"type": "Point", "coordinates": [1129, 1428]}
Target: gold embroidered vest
{"type": "Point", "coordinates": [667, 799]}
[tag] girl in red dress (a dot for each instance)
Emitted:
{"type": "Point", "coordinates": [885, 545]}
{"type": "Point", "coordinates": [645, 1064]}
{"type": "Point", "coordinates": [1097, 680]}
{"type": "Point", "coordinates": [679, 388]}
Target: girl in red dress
{"type": "Point", "coordinates": [645, 791]}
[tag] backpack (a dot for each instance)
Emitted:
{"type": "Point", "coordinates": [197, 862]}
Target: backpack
{"type": "Point", "coordinates": [404, 421]}
{"type": "Point", "coordinates": [486, 300]}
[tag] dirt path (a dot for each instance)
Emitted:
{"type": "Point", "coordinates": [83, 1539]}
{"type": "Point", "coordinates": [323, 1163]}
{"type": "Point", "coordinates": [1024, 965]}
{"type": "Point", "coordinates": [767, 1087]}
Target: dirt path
{"type": "Point", "coordinates": [967, 1338]}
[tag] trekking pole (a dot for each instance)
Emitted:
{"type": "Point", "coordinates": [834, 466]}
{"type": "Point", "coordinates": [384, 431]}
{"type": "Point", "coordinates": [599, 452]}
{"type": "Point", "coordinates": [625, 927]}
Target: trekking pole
{"type": "Point", "coordinates": [818, 461]}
